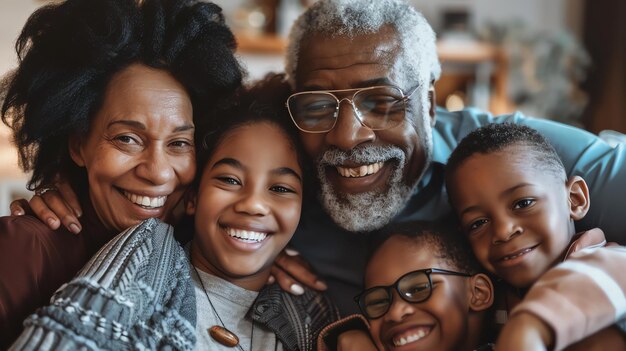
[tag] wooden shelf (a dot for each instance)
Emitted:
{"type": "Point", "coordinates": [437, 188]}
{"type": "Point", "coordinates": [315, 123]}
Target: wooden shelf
{"type": "Point", "coordinates": [454, 51]}
{"type": "Point", "coordinates": [260, 44]}
{"type": "Point", "coordinates": [449, 51]}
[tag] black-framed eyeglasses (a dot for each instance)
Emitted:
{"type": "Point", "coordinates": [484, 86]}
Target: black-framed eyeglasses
{"type": "Point", "coordinates": [377, 107]}
{"type": "Point", "coordinates": [413, 287]}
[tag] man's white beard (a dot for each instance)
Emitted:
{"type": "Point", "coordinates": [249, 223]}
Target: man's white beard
{"type": "Point", "coordinates": [371, 210]}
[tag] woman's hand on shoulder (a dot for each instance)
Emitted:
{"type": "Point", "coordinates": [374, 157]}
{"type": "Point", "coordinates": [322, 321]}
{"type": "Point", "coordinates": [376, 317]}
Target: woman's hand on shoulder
{"type": "Point", "coordinates": [53, 205]}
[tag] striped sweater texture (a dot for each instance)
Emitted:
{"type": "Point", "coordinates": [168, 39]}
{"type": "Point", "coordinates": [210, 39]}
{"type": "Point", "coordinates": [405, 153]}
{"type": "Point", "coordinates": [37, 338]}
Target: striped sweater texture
{"type": "Point", "coordinates": [584, 293]}
{"type": "Point", "coordinates": [136, 293]}
{"type": "Point", "coordinates": [133, 294]}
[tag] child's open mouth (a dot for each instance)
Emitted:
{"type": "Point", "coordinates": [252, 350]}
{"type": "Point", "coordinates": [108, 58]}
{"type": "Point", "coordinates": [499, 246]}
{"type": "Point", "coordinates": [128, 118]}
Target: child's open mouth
{"type": "Point", "coordinates": [411, 336]}
{"type": "Point", "coordinates": [519, 253]}
{"type": "Point", "coordinates": [246, 236]}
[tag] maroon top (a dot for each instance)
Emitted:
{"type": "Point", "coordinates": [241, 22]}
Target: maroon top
{"type": "Point", "coordinates": [35, 261]}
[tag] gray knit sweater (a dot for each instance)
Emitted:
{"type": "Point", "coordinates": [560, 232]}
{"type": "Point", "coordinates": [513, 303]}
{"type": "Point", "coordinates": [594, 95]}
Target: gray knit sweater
{"type": "Point", "coordinates": [133, 294]}
{"type": "Point", "coordinates": [136, 293]}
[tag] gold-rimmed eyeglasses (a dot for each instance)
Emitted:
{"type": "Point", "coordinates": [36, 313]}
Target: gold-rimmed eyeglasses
{"type": "Point", "coordinates": [377, 107]}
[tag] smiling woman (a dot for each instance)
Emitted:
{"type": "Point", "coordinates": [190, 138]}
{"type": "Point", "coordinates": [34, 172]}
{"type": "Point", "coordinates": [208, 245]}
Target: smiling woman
{"type": "Point", "coordinates": [107, 92]}
{"type": "Point", "coordinates": [139, 153]}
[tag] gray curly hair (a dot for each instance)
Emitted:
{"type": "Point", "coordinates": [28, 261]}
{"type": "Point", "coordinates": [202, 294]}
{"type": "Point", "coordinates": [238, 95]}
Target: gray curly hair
{"type": "Point", "coordinates": [417, 61]}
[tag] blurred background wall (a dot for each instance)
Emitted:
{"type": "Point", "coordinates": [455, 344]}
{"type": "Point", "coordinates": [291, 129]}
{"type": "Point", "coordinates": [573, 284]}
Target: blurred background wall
{"type": "Point", "coordinates": [13, 14]}
{"type": "Point", "coordinates": [558, 59]}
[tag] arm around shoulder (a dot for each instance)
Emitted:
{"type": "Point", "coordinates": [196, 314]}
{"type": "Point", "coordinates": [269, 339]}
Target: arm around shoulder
{"type": "Point", "coordinates": [581, 295]}
{"type": "Point", "coordinates": [24, 262]}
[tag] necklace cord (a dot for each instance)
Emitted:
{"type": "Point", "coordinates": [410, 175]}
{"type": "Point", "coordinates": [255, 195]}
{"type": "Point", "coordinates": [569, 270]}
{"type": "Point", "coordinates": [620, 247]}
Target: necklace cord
{"type": "Point", "coordinates": [222, 322]}
{"type": "Point", "coordinates": [217, 315]}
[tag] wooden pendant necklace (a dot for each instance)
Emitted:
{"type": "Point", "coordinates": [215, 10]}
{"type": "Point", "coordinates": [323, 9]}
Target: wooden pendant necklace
{"type": "Point", "coordinates": [220, 333]}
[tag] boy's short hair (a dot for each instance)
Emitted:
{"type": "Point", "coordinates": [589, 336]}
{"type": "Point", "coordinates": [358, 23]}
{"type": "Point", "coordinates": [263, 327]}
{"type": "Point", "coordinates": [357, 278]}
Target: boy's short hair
{"type": "Point", "coordinates": [496, 137]}
{"type": "Point", "coordinates": [447, 244]}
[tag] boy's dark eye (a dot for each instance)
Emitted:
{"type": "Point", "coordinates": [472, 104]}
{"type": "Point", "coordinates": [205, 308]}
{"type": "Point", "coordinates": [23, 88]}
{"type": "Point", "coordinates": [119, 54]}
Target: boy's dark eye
{"type": "Point", "coordinates": [523, 204]}
{"type": "Point", "coordinates": [477, 224]}
{"type": "Point", "coordinates": [378, 302]}
{"type": "Point", "coordinates": [417, 289]}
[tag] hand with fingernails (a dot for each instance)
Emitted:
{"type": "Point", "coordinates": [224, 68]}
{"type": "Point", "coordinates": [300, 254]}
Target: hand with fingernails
{"type": "Point", "coordinates": [291, 272]}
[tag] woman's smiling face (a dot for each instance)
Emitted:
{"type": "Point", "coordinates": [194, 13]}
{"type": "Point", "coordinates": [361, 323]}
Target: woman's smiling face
{"type": "Point", "coordinates": [139, 153]}
{"type": "Point", "coordinates": [248, 204]}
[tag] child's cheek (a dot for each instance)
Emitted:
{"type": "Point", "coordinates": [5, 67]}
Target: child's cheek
{"type": "Point", "coordinates": [375, 331]}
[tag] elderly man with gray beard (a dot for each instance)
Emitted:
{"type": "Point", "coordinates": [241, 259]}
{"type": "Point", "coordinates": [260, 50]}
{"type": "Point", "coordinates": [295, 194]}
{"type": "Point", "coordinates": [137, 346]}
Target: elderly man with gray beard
{"type": "Point", "coordinates": [364, 74]}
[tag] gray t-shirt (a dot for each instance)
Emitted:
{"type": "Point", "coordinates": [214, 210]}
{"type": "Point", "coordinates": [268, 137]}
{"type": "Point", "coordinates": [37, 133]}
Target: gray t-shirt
{"type": "Point", "coordinates": [232, 304]}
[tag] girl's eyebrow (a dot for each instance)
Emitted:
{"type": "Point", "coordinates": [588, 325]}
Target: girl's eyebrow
{"type": "Point", "coordinates": [230, 162]}
{"type": "Point", "coordinates": [287, 171]}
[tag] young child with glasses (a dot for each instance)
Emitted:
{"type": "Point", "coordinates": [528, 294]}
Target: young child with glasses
{"type": "Point", "coordinates": [517, 207]}
{"type": "Point", "coordinates": [424, 291]}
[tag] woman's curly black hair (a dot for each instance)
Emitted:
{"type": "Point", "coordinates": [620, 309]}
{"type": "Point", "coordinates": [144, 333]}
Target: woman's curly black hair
{"type": "Point", "coordinates": [69, 52]}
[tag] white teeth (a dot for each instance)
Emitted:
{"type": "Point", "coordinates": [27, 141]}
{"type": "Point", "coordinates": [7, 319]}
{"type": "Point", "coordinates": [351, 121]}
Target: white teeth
{"type": "Point", "coordinates": [410, 338]}
{"type": "Point", "coordinates": [360, 171]}
{"type": "Point", "coordinates": [517, 255]}
{"type": "Point", "coordinates": [363, 170]}
{"type": "Point", "coordinates": [246, 235]}
{"type": "Point", "coordinates": [146, 201]}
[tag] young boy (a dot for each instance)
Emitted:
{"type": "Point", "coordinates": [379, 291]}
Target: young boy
{"type": "Point", "coordinates": [424, 291]}
{"type": "Point", "coordinates": [517, 208]}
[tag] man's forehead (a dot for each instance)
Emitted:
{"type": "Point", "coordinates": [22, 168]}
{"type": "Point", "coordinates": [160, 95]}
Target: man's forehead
{"type": "Point", "coordinates": [383, 42]}
{"type": "Point", "coordinates": [365, 55]}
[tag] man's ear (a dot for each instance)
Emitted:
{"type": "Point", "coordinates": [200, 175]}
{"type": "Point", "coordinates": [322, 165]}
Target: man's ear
{"type": "Point", "coordinates": [190, 199]}
{"type": "Point", "coordinates": [431, 100]}
{"type": "Point", "coordinates": [480, 292]}
{"type": "Point", "coordinates": [578, 195]}
{"type": "Point", "coordinates": [74, 146]}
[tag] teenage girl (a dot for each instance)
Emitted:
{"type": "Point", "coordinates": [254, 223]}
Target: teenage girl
{"type": "Point", "coordinates": [144, 290]}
